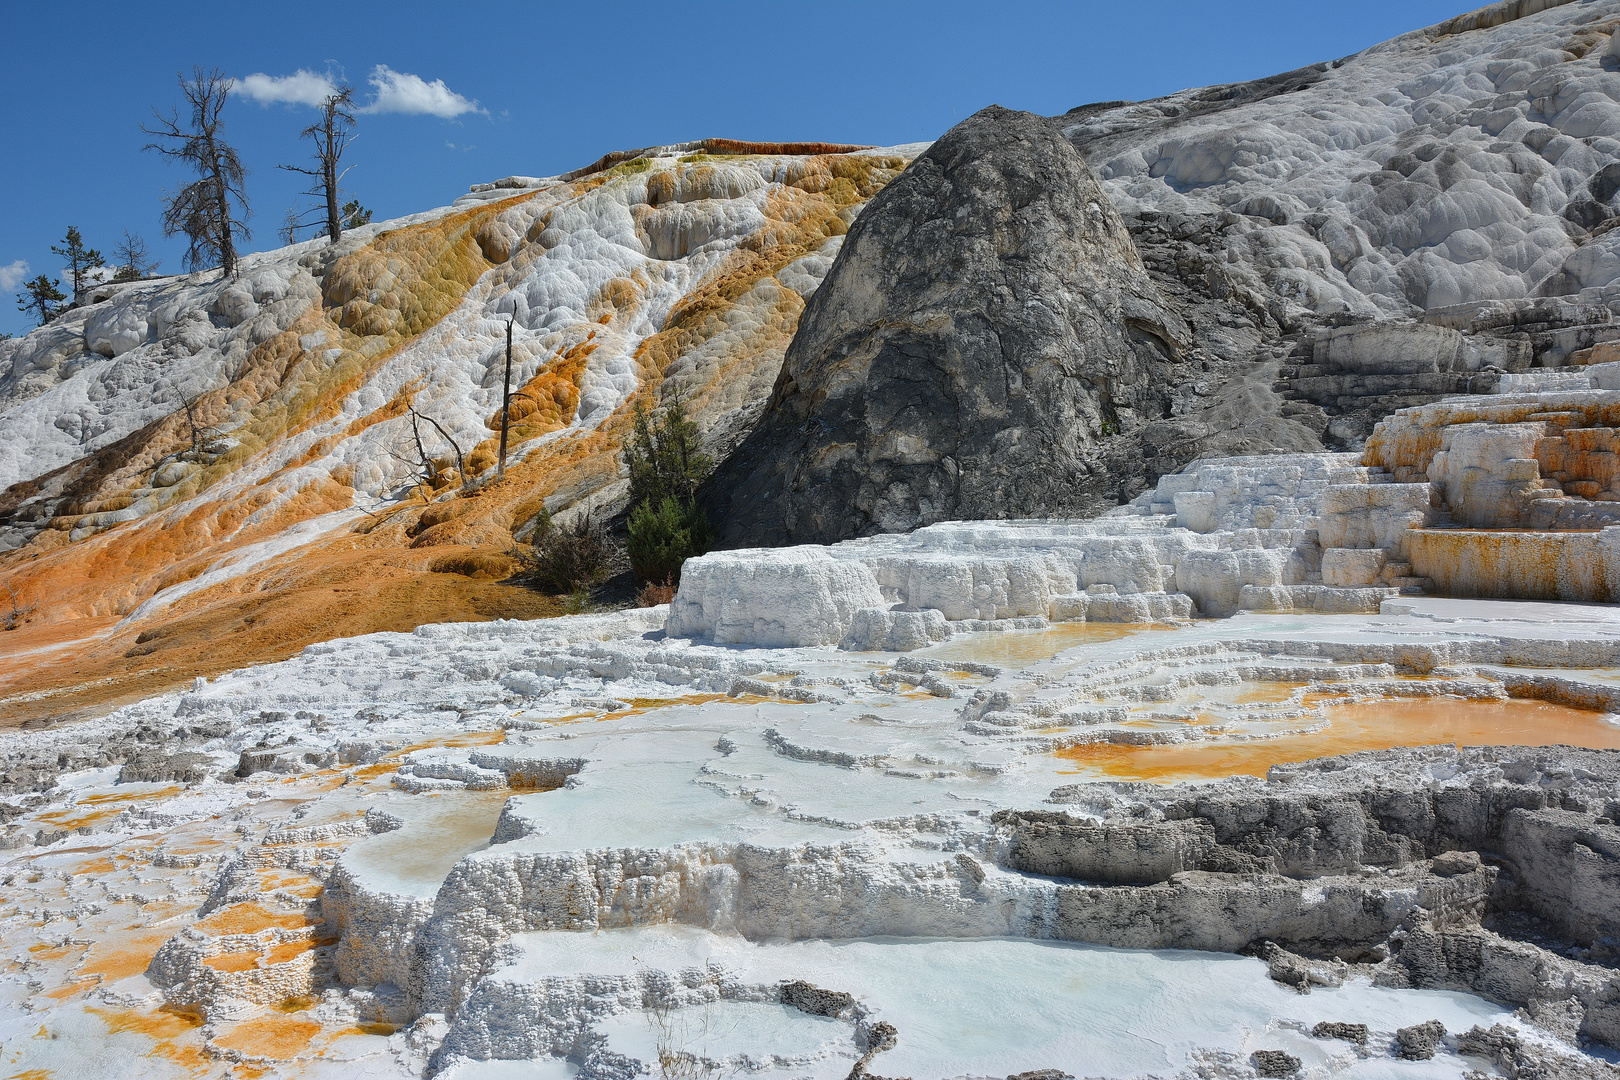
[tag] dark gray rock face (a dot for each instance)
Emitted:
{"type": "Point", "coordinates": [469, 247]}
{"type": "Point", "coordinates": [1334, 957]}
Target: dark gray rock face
{"type": "Point", "coordinates": [157, 767]}
{"type": "Point", "coordinates": [812, 999]}
{"type": "Point", "coordinates": [1121, 855]}
{"type": "Point", "coordinates": [984, 335]}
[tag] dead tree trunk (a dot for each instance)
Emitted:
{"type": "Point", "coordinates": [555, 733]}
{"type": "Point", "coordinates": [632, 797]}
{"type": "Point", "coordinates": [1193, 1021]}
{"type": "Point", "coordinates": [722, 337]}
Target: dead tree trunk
{"type": "Point", "coordinates": [331, 137]}
{"type": "Point", "coordinates": [506, 398]}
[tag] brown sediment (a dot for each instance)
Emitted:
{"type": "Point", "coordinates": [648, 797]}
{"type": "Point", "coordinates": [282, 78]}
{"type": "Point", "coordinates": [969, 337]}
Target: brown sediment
{"type": "Point", "coordinates": [128, 796]}
{"type": "Point", "coordinates": [276, 1037]}
{"type": "Point", "coordinates": [72, 818]}
{"type": "Point", "coordinates": [164, 1027]}
{"type": "Point", "coordinates": [160, 1024]}
{"type": "Point", "coordinates": [43, 951]}
{"type": "Point", "coordinates": [288, 950]}
{"type": "Point", "coordinates": [641, 705]}
{"type": "Point", "coordinates": [263, 617]}
{"type": "Point", "coordinates": [72, 989]}
{"type": "Point", "coordinates": [549, 401]}
{"type": "Point", "coordinates": [1512, 564]}
{"type": "Point", "coordinates": [94, 866]}
{"type": "Point", "coordinates": [124, 954]}
{"type": "Point", "coordinates": [1374, 725]}
{"type": "Point", "coordinates": [427, 269]}
{"type": "Point", "coordinates": [233, 961]}
{"type": "Point", "coordinates": [250, 918]}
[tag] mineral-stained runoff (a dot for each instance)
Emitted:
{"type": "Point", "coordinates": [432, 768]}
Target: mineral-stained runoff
{"type": "Point", "coordinates": [588, 845]}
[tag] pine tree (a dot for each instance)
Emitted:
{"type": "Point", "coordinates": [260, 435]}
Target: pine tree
{"type": "Point", "coordinates": [354, 215]}
{"type": "Point", "coordinates": [203, 210]}
{"type": "Point", "coordinates": [43, 296]}
{"type": "Point", "coordinates": [663, 537]}
{"type": "Point", "coordinates": [78, 259]}
{"type": "Point", "coordinates": [665, 456]}
{"type": "Point", "coordinates": [667, 463]}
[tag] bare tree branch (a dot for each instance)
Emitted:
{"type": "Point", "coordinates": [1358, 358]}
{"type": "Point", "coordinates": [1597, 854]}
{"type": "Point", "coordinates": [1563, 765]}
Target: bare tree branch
{"type": "Point", "coordinates": [461, 465]}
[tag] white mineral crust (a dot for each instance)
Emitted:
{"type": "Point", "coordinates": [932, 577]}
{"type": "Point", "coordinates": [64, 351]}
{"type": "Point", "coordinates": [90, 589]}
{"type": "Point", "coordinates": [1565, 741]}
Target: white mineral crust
{"type": "Point", "coordinates": [670, 828]}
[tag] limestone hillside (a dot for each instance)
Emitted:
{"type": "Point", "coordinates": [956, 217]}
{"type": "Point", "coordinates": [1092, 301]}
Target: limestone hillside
{"type": "Point", "coordinates": [287, 502]}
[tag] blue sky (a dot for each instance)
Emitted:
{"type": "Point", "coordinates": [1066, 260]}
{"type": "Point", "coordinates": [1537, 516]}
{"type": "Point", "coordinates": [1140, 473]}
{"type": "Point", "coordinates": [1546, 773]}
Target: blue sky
{"type": "Point", "coordinates": [539, 88]}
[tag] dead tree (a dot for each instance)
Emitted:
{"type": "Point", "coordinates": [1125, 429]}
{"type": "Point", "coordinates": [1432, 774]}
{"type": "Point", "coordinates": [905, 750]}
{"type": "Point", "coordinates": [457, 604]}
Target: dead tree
{"type": "Point", "coordinates": [134, 261]}
{"type": "Point", "coordinates": [203, 209]}
{"type": "Point", "coordinates": [506, 398]}
{"type": "Point", "coordinates": [11, 620]}
{"type": "Point", "coordinates": [198, 432]}
{"type": "Point", "coordinates": [290, 226]}
{"type": "Point", "coordinates": [429, 473]}
{"type": "Point", "coordinates": [331, 136]}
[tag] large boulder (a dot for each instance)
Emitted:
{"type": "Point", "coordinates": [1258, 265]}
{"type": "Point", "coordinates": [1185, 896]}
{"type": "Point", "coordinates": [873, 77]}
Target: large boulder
{"type": "Point", "coordinates": [984, 334]}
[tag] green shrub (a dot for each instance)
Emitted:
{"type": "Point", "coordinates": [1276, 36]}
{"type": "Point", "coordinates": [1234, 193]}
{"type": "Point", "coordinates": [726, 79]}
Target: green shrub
{"type": "Point", "coordinates": [565, 560]}
{"type": "Point", "coordinates": [662, 539]}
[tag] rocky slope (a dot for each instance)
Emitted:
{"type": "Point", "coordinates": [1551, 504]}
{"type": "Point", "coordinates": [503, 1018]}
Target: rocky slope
{"type": "Point", "coordinates": [229, 470]}
{"type": "Point", "coordinates": [1454, 186]}
{"type": "Point", "coordinates": [987, 325]}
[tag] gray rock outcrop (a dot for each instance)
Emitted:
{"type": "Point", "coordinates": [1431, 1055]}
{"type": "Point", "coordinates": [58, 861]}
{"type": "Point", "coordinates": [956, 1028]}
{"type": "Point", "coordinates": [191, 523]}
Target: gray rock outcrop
{"type": "Point", "coordinates": [812, 999]}
{"type": "Point", "coordinates": [1491, 215]}
{"type": "Point", "coordinates": [1333, 1029]}
{"type": "Point", "coordinates": [986, 329]}
{"type": "Point", "coordinates": [1517, 1057]}
{"type": "Point", "coordinates": [1420, 1041]}
{"type": "Point", "coordinates": [1274, 1063]}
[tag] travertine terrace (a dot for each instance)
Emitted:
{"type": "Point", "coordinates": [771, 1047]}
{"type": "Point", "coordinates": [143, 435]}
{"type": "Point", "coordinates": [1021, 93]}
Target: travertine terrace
{"type": "Point", "coordinates": [581, 841]}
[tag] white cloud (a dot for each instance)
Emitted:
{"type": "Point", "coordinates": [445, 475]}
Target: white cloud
{"type": "Point", "coordinates": [398, 92]}
{"type": "Point", "coordinates": [300, 88]}
{"type": "Point", "coordinates": [13, 275]}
